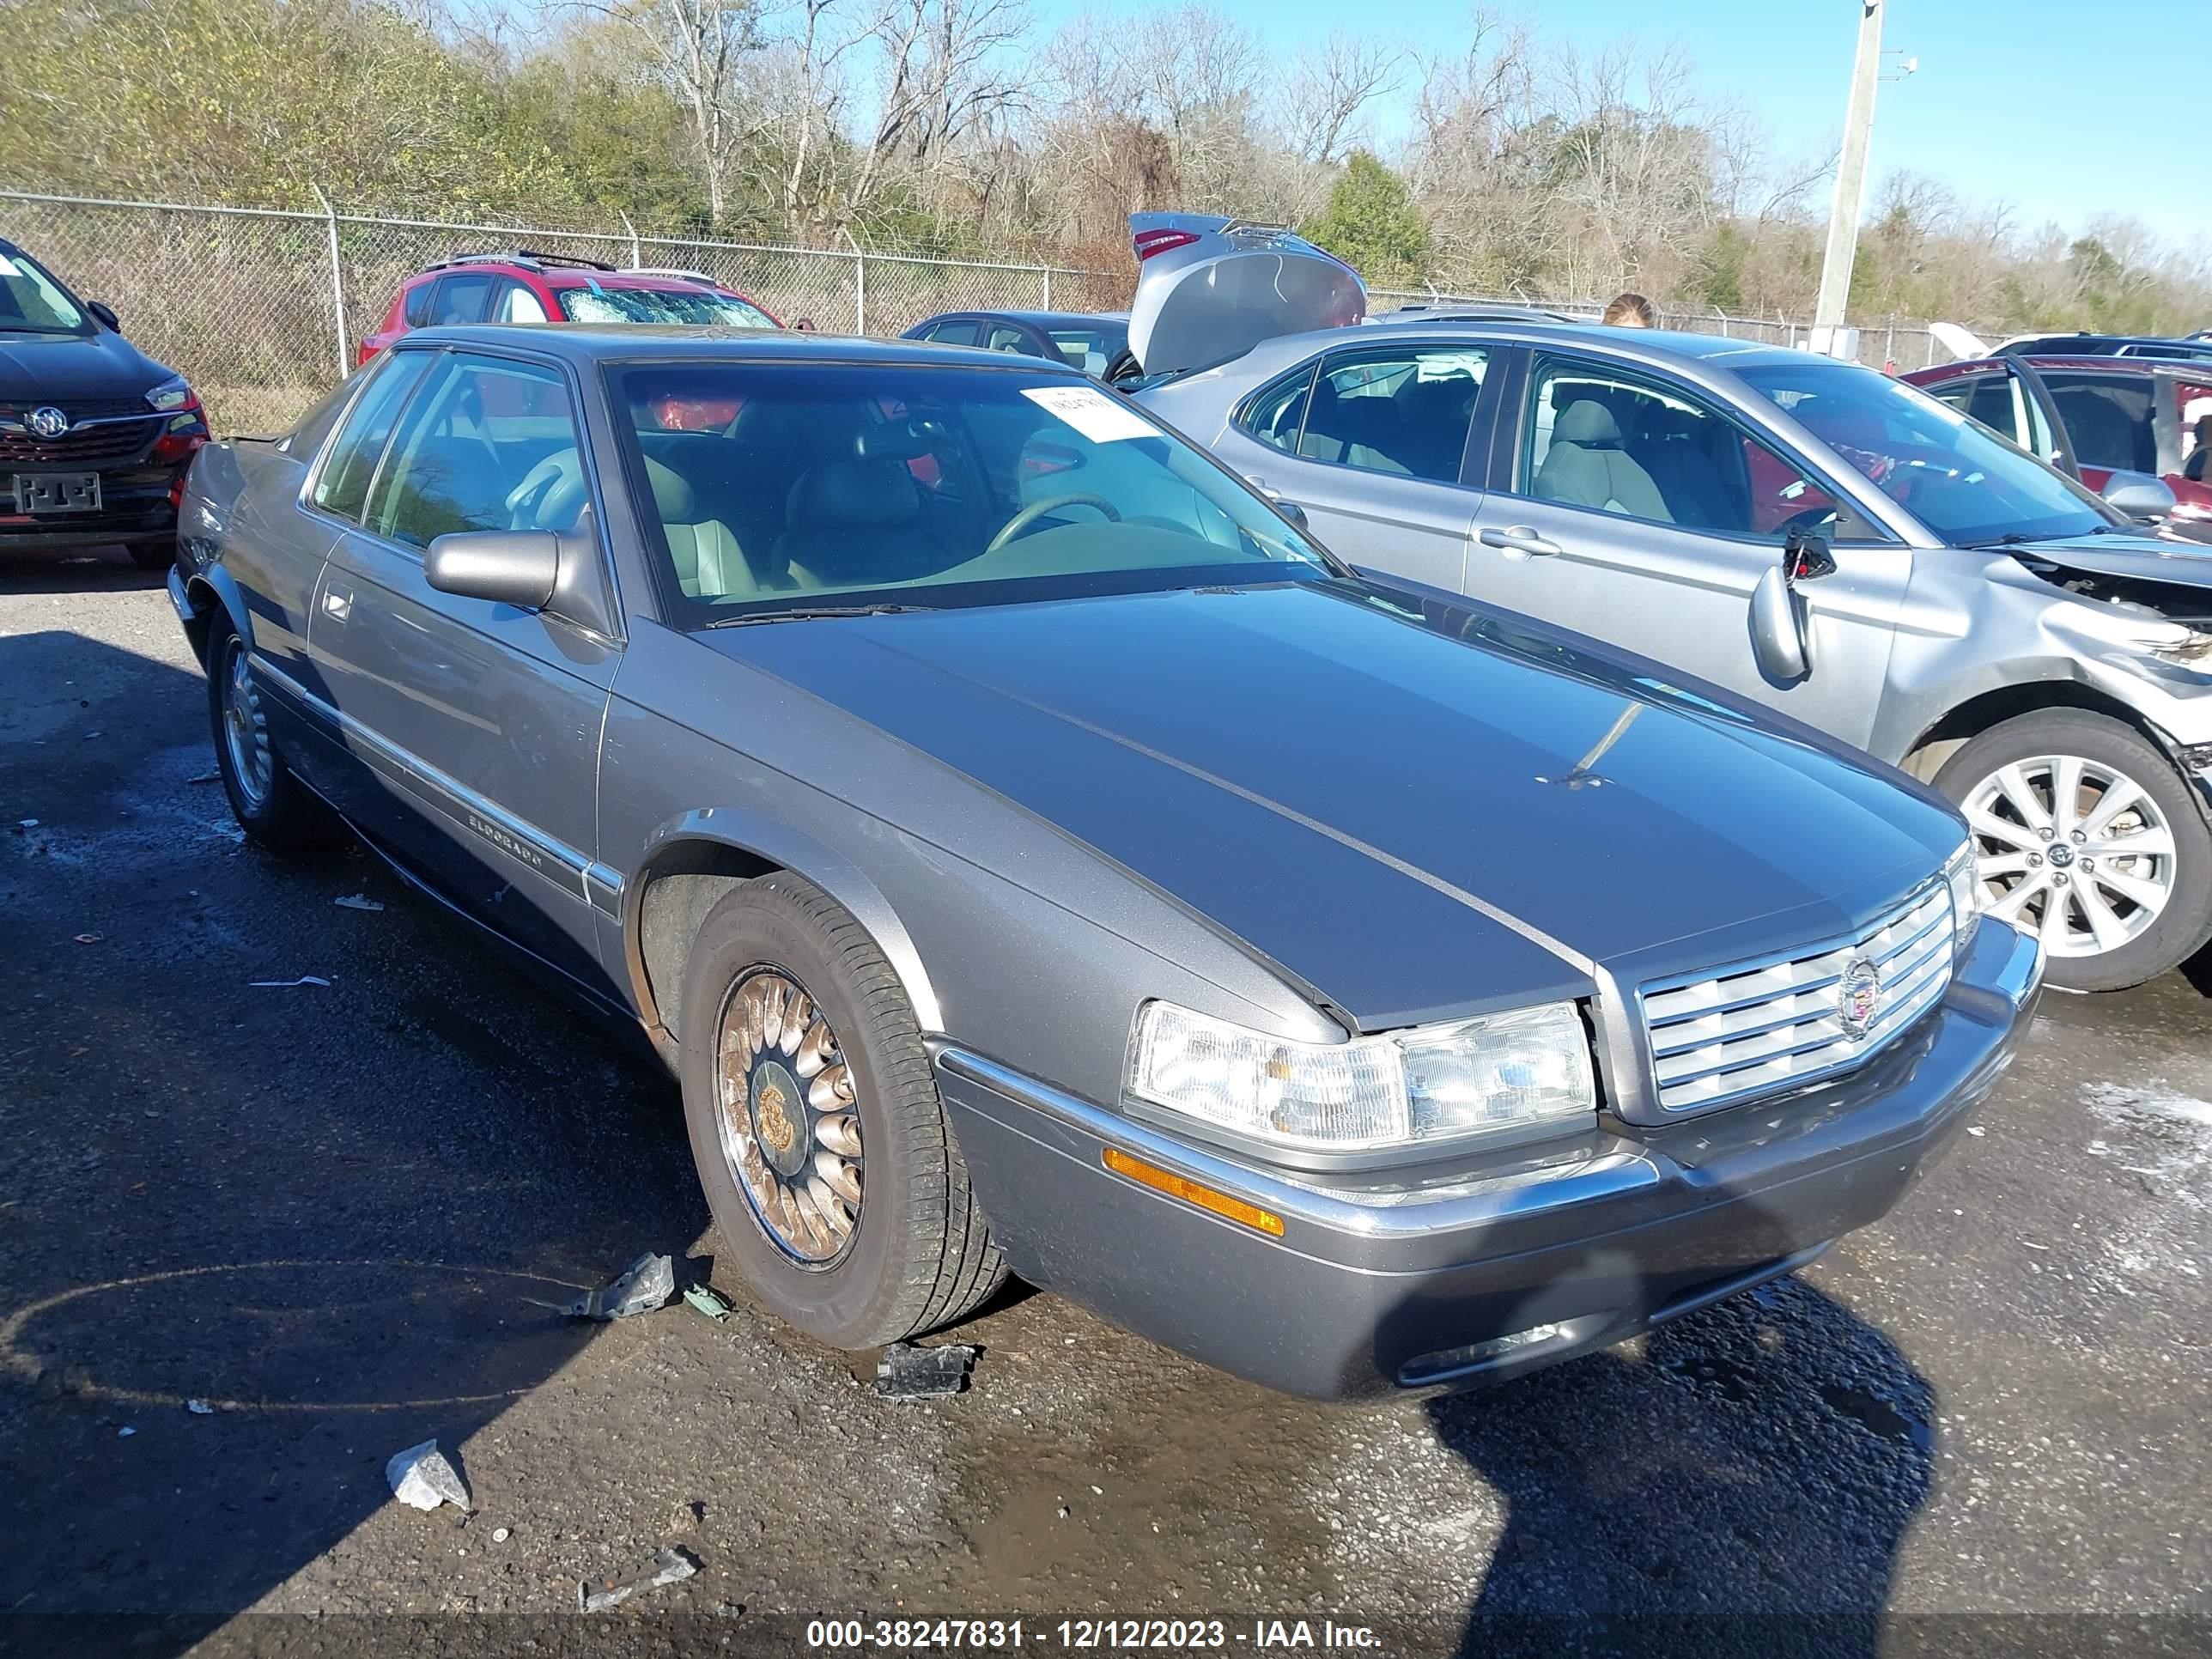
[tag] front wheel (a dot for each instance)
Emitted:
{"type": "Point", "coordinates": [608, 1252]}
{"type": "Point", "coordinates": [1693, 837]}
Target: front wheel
{"type": "Point", "coordinates": [815, 1125]}
{"type": "Point", "coordinates": [2087, 835]}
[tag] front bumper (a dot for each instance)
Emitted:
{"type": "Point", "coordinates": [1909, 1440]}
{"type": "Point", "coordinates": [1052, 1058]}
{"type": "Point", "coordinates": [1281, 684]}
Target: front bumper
{"type": "Point", "coordinates": [136, 507]}
{"type": "Point", "coordinates": [1373, 1288]}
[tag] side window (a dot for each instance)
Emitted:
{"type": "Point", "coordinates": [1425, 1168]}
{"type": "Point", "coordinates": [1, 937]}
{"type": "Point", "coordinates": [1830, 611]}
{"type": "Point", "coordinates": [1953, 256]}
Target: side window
{"type": "Point", "coordinates": [461, 299]}
{"type": "Point", "coordinates": [1593, 438]}
{"type": "Point", "coordinates": [954, 333]}
{"type": "Point", "coordinates": [420, 300]}
{"type": "Point", "coordinates": [1276, 416]}
{"type": "Point", "coordinates": [517, 304]}
{"type": "Point", "coordinates": [1004, 339]}
{"type": "Point", "coordinates": [2108, 417]}
{"type": "Point", "coordinates": [342, 484]}
{"type": "Point", "coordinates": [1984, 398]}
{"type": "Point", "coordinates": [488, 444]}
{"type": "Point", "coordinates": [1404, 410]}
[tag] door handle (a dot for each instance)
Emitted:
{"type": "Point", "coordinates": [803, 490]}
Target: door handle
{"type": "Point", "coordinates": [337, 602]}
{"type": "Point", "coordinates": [1520, 538]}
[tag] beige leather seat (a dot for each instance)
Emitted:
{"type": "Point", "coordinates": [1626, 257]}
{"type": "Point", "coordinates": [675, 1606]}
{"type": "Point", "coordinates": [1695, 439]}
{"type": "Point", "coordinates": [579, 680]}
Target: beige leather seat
{"type": "Point", "coordinates": [709, 563]}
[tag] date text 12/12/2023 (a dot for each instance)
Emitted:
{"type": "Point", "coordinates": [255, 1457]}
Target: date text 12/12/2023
{"type": "Point", "coordinates": [1259, 1635]}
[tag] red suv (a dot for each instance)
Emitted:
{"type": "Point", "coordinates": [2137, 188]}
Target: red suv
{"type": "Point", "coordinates": [525, 287]}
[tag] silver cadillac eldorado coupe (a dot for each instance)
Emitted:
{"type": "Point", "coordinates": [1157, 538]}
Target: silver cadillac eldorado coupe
{"type": "Point", "coordinates": [1033, 853]}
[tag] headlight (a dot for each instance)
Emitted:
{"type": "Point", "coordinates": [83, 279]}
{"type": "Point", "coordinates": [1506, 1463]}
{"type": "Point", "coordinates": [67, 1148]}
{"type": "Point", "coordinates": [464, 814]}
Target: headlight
{"type": "Point", "coordinates": [1965, 893]}
{"type": "Point", "coordinates": [1530, 1067]}
{"type": "Point", "coordinates": [172, 394]}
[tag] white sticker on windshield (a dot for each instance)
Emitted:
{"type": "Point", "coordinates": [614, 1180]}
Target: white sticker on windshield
{"type": "Point", "coordinates": [1091, 412]}
{"type": "Point", "coordinates": [7, 267]}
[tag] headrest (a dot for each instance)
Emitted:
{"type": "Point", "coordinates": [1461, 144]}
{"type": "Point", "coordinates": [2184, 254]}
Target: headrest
{"type": "Point", "coordinates": [894, 441]}
{"type": "Point", "coordinates": [671, 493]}
{"type": "Point", "coordinates": [853, 495]}
{"type": "Point", "coordinates": [1588, 422]}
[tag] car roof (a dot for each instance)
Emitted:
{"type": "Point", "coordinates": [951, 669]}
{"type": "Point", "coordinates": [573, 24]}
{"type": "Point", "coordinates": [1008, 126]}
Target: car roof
{"type": "Point", "coordinates": [583, 342]}
{"type": "Point", "coordinates": [2090, 360]}
{"type": "Point", "coordinates": [1652, 345]}
{"type": "Point", "coordinates": [1038, 319]}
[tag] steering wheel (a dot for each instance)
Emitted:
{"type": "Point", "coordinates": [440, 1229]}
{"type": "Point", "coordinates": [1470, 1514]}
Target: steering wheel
{"type": "Point", "coordinates": [1811, 518]}
{"type": "Point", "coordinates": [1025, 521]}
{"type": "Point", "coordinates": [551, 493]}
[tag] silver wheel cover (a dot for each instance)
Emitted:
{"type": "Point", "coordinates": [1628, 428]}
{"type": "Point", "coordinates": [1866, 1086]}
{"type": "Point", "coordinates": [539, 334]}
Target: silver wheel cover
{"type": "Point", "coordinates": [2073, 848]}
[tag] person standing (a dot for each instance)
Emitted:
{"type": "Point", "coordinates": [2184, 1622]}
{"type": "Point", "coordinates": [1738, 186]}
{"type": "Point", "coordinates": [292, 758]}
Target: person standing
{"type": "Point", "coordinates": [1627, 310]}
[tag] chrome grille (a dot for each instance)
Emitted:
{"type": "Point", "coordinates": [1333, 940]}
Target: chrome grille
{"type": "Point", "coordinates": [108, 441]}
{"type": "Point", "coordinates": [1759, 1026]}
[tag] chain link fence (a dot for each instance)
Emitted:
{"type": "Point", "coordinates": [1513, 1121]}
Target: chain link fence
{"type": "Point", "coordinates": [264, 309]}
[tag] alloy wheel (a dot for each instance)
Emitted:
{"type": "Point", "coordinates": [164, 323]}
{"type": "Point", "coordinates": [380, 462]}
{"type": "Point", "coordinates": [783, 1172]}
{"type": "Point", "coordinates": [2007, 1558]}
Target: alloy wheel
{"type": "Point", "coordinates": [789, 1119]}
{"type": "Point", "coordinates": [246, 728]}
{"type": "Point", "coordinates": [2074, 848]}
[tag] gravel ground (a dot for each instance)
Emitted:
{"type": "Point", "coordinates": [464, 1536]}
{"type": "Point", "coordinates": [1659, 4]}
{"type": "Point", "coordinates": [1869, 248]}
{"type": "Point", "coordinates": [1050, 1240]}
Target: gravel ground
{"type": "Point", "coordinates": [328, 1213]}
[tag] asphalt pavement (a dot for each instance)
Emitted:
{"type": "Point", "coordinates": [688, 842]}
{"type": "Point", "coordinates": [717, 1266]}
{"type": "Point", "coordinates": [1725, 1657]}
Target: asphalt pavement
{"type": "Point", "coordinates": [329, 1214]}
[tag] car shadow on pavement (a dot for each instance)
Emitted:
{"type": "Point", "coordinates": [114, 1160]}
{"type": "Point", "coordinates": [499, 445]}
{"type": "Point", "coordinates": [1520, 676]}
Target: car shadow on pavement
{"type": "Point", "coordinates": [258, 1235]}
{"type": "Point", "coordinates": [75, 570]}
{"type": "Point", "coordinates": [1737, 1481]}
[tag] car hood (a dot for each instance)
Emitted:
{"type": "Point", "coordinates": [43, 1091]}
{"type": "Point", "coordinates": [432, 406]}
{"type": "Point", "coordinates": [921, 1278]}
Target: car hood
{"type": "Point", "coordinates": [2145, 558]}
{"type": "Point", "coordinates": [1215, 288]}
{"type": "Point", "coordinates": [1418, 817]}
{"type": "Point", "coordinates": [59, 368]}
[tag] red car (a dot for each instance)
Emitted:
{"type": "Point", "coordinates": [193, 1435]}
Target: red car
{"type": "Point", "coordinates": [525, 287]}
{"type": "Point", "coordinates": [2107, 415]}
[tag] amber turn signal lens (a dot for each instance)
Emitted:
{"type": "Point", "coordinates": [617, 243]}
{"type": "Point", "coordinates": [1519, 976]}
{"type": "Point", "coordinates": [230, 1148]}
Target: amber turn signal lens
{"type": "Point", "coordinates": [1175, 1186]}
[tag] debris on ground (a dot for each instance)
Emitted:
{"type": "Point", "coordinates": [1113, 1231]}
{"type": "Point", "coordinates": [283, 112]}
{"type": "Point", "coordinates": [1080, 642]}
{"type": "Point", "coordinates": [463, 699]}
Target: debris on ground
{"type": "Point", "coordinates": [906, 1372]}
{"type": "Point", "coordinates": [199, 1408]}
{"type": "Point", "coordinates": [90, 939]}
{"type": "Point", "coordinates": [686, 1518]}
{"type": "Point", "coordinates": [27, 823]}
{"type": "Point", "coordinates": [287, 984]}
{"type": "Point", "coordinates": [708, 1301]}
{"type": "Point", "coordinates": [670, 1566]}
{"type": "Point", "coordinates": [124, 1432]}
{"type": "Point", "coordinates": [501, 1534]}
{"type": "Point", "coordinates": [206, 777]}
{"type": "Point", "coordinates": [422, 1479]}
{"type": "Point", "coordinates": [357, 901]}
{"type": "Point", "coordinates": [647, 1284]}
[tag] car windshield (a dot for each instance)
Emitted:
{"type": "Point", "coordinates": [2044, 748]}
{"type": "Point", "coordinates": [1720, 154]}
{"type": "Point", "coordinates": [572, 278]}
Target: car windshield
{"type": "Point", "coordinates": [1958, 478]}
{"type": "Point", "coordinates": [777, 488]}
{"type": "Point", "coordinates": [32, 303]}
{"type": "Point", "coordinates": [602, 304]}
{"type": "Point", "coordinates": [1090, 347]}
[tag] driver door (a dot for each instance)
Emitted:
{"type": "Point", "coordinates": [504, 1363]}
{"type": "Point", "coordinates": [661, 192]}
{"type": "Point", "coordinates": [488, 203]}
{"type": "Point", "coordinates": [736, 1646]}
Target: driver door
{"type": "Point", "coordinates": [481, 721]}
{"type": "Point", "coordinates": [1634, 508]}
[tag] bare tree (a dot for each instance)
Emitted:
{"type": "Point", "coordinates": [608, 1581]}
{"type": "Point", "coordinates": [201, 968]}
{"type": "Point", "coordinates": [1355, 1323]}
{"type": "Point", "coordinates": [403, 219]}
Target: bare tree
{"type": "Point", "coordinates": [696, 48]}
{"type": "Point", "coordinates": [1329, 90]}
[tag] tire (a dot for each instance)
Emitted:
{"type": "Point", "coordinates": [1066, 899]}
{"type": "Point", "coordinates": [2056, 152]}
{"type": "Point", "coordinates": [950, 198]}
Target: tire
{"type": "Point", "coordinates": [153, 555]}
{"type": "Point", "coordinates": [916, 1253]}
{"type": "Point", "coordinates": [2156, 903]}
{"type": "Point", "coordinates": [269, 803]}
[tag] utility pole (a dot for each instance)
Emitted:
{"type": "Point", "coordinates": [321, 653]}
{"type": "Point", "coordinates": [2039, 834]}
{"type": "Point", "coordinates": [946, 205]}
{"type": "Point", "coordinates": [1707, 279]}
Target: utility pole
{"type": "Point", "coordinates": [1851, 173]}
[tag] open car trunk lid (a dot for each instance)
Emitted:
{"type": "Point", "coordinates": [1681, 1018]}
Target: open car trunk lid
{"type": "Point", "coordinates": [1209, 288]}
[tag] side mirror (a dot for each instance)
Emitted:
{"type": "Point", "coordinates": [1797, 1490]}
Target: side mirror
{"type": "Point", "coordinates": [508, 567]}
{"type": "Point", "coordinates": [1779, 643]}
{"type": "Point", "coordinates": [2139, 495]}
{"type": "Point", "coordinates": [105, 312]}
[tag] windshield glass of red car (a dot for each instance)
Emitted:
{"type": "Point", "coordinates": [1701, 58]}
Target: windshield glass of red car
{"type": "Point", "coordinates": [697, 307]}
{"type": "Point", "coordinates": [1954, 475]}
{"type": "Point", "coordinates": [775, 487]}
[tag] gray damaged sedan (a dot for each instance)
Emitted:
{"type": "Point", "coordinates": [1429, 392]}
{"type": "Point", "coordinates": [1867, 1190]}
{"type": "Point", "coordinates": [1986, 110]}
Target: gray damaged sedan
{"type": "Point", "coordinates": [1031, 852]}
{"type": "Point", "coordinates": [1972, 615]}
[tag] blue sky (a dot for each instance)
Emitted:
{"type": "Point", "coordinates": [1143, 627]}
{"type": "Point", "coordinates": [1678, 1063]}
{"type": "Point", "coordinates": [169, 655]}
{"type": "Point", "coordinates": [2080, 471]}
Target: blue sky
{"type": "Point", "coordinates": [2000, 109]}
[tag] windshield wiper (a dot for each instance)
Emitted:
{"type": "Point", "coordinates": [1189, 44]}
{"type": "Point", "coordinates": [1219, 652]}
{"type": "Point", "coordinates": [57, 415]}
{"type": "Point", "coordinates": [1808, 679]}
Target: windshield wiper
{"type": "Point", "coordinates": [815, 613]}
{"type": "Point", "coordinates": [2010, 538]}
